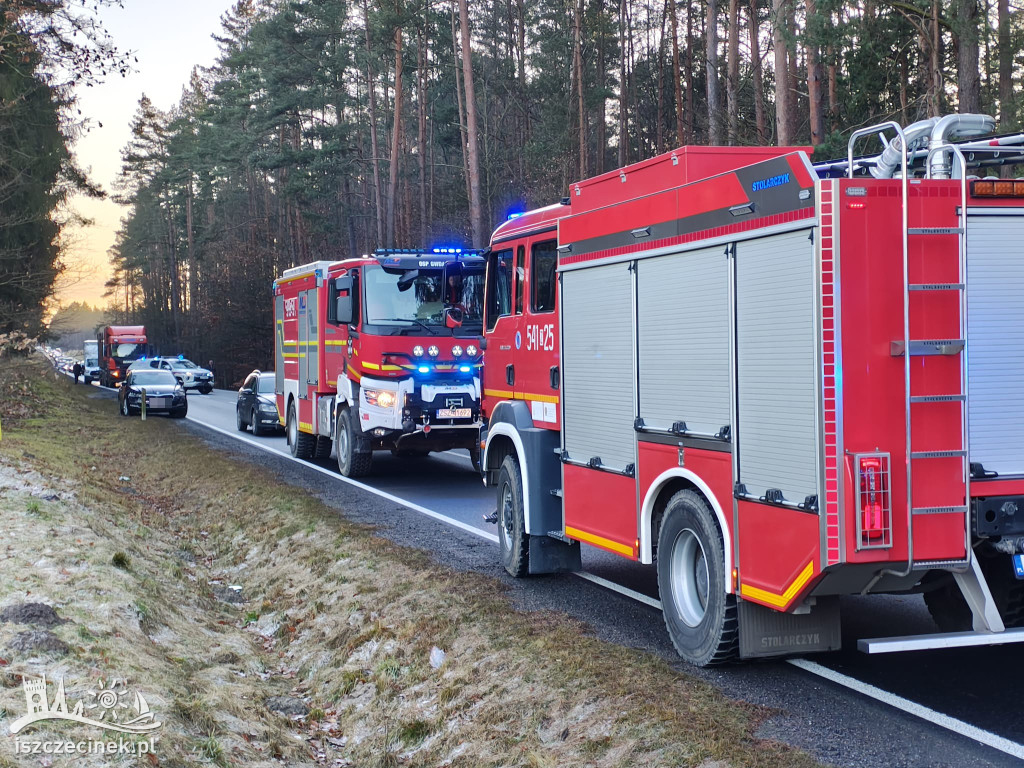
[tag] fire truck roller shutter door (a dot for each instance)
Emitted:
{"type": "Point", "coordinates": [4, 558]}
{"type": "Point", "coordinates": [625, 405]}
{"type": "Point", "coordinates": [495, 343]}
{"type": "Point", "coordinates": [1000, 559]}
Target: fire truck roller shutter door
{"type": "Point", "coordinates": [775, 365]}
{"type": "Point", "coordinates": [597, 355]}
{"type": "Point", "coordinates": [995, 341]}
{"type": "Point", "coordinates": [683, 339]}
{"type": "Point", "coordinates": [303, 328]}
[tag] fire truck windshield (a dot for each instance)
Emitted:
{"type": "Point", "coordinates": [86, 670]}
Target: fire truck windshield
{"type": "Point", "coordinates": [421, 297]}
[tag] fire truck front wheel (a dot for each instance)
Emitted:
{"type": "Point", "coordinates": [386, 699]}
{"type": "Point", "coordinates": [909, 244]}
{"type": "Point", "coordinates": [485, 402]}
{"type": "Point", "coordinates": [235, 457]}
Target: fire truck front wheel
{"type": "Point", "coordinates": [301, 444]}
{"type": "Point", "coordinates": [700, 616]}
{"type": "Point", "coordinates": [513, 540]}
{"type": "Point", "coordinates": [351, 461]}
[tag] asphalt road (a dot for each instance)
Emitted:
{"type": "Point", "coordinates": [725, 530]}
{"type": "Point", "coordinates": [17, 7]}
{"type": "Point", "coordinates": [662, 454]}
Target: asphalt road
{"type": "Point", "coordinates": [892, 710]}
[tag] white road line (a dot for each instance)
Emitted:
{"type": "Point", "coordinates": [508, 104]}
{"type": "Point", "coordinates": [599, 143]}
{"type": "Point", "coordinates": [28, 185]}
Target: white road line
{"type": "Point", "coordinates": [334, 475]}
{"type": "Point", "coordinates": [640, 597]}
{"type": "Point", "coordinates": [912, 708]}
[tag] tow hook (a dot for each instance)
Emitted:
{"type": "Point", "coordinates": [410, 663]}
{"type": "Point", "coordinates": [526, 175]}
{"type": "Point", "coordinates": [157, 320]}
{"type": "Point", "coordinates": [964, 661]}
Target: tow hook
{"type": "Point", "coordinates": [492, 518]}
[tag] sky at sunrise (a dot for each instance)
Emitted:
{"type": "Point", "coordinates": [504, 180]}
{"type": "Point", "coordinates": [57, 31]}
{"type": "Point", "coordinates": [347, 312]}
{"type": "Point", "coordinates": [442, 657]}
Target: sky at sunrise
{"type": "Point", "coordinates": [169, 38]}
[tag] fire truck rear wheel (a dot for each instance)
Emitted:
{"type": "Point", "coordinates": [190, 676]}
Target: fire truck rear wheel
{"type": "Point", "coordinates": [513, 540]}
{"type": "Point", "coordinates": [351, 463]}
{"type": "Point", "coordinates": [323, 448]}
{"type": "Point", "coordinates": [700, 615]}
{"type": "Point", "coordinates": [300, 443]}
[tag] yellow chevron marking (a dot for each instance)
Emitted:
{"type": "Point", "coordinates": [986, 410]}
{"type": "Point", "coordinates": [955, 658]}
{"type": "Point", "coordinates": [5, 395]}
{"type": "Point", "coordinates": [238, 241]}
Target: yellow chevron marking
{"type": "Point", "coordinates": [773, 598]}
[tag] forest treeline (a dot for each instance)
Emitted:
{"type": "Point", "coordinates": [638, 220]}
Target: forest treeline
{"type": "Point", "coordinates": [47, 49]}
{"type": "Point", "coordinates": [332, 127]}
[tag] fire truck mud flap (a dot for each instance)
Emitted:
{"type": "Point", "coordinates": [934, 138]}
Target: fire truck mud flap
{"type": "Point", "coordinates": [766, 632]}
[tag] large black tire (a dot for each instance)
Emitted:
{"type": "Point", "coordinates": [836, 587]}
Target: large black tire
{"type": "Point", "coordinates": [240, 422]}
{"type": "Point", "coordinates": [123, 407]}
{"type": "Point", "coordinates": [950, 611]}
{"type": "Point", "coordinates": [206, 389]}
{"type": "Point", "coordinates": [254, 422]}
{"type": "Point", "coordinates": [700, 616]}
{"type": "Point", "coordinates": [180, 413]}
{"type": "Point", "coordinates": [351, 461]}
{"type": "Point", "coordinates": [513, 540]}
{"type": "Point", "coordinates": [300, 443]}
{"type": "Point", "coordinates": [323, 448]}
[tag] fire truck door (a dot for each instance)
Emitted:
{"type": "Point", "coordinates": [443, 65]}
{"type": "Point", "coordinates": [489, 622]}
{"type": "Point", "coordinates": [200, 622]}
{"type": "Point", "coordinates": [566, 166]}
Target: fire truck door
{"type": "Point", "coordinates": [279, 343]}
{"type": "Point", "coordinates": [502, 327]}
{"type": "Point", "coordinates": [303, 329]}
{"type": "Point", "coordinates": [312, 339]}
{"type": "Point", "coordinates": [536, 358]}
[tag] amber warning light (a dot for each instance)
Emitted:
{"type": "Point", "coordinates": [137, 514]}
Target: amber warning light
{"type": "Point", "coordinates": [997, 188]}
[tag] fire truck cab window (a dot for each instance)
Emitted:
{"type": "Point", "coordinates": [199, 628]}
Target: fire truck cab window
{"type": "Point", "coordinates": [499, 293]}
{"type": "Point", "coordinates": [543, 263]}
{"type": "Point", "coordinates": [520, 277]}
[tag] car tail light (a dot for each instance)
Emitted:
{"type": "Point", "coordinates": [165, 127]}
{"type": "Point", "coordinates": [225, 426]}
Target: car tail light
{"type": "Point", "coordinates": [874, 501]}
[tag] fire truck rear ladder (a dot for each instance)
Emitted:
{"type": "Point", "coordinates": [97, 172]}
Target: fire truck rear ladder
{"type": "Point", "coordinates": [988, 627]}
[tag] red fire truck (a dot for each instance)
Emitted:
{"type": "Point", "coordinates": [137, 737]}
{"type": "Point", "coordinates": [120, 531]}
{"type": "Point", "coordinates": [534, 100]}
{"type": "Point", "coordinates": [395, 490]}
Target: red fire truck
{"type": "Point", "coordinates": [762, 377]}
{"type": "Point", "coordinates": [119, 346]}
{"type": "Point", "coordinates": [380, 352]}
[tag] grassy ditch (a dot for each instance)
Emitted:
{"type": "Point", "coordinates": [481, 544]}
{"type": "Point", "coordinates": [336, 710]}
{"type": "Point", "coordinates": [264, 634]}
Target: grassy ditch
{"type": "Point", "coordinates": [225, 595]}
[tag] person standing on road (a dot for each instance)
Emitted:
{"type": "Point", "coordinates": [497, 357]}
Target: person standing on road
{"type": "Point", "coordinates": [78, 370]}
{"type": "Point", "coordinates": [213, 373]}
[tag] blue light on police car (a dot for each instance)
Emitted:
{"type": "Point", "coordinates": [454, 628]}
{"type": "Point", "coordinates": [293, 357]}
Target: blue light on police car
{"type": "Point", "coordinates": [424, 369]}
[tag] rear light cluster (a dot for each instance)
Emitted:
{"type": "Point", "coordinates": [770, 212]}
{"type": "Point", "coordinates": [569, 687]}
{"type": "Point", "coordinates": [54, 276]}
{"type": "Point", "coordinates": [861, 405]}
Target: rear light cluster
{"type": "Point", "coordinates": [874, 501]}
{"type": "Point", "coordinates": [992, 187]}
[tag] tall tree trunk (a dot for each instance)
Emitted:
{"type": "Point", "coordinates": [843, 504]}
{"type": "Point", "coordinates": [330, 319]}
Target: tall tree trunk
{"type": "Point", "coordinates": [476, 218]}
{"type": "Point", "coordinates": [1005, 65]}
{"type": "Point", "coordinates": [814, 95]}
{"type": "Point", "coordinates": [378, 212]}
{"type": "Point", "coordinates": [714, 89]}
{"type": "Point", "coordinates": [602, 81]}
{"type": "Point", "coordinates": [833, 87]}
{"type": "Point", "coordinates": [758, 73]}
{"type": "Point", "coordinates": [677, 85]}
{"type": "Point", "coordinates": [935, 63]}
{"type": "Point", "coordinates": [660, 121]}
{"type": "Point", "coordinates": [396, 136]}
{"type": "Point", "coordinates": [968, 74]}
{"type": "Point", "coordinates": [783, 128]}
{"type": "Point", "coordinates": [732, 81]}
{"type": "Point", "coordinates": [623, 89]}
{"type": "Point", "coordinates": [578, 65]}
{"type": "Point", "coordinates": [688, 117]}
{"type": "Point", "coordinates": [462, 108]}
{"type": "Point", "coordinates": [421, 147]}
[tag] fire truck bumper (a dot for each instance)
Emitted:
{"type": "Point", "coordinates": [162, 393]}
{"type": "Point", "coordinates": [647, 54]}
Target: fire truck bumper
{"type": "Point", "coordinates": [406, 413]}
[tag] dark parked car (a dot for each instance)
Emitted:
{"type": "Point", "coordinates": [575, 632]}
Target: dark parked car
{"type": "Point", "coordinates": [257, 405]}
{"type": "Point", "coordinates": [164, 393]}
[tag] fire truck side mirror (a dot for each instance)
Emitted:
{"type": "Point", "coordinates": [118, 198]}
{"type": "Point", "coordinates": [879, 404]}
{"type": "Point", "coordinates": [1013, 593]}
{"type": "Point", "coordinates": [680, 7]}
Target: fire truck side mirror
{"type": "Point", "coordinates": [343, 307]}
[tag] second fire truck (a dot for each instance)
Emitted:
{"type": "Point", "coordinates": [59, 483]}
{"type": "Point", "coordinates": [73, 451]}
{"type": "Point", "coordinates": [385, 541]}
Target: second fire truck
{"type": "Point", "coordinates": [762, 378]}
{"type": "Point", "coordinates": [380, 352]}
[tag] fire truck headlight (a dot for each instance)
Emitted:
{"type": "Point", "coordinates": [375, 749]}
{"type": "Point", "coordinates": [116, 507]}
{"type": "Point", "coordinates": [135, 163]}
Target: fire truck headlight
{"type": "Point", "coordinates": [471, 350]}
{"type": "Point", "coordinates": [417, 351]}
{"type": "Point", "coordinates": [457, 351]}
{"type": "Point", "coordinates": [386, 399]}
{"type": "Point", "coordinates": [433, 351]}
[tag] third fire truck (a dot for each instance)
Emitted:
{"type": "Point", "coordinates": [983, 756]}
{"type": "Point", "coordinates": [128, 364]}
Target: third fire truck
{"type": "Point", "coordinates": [380, 352]}
{"type": "Point", "coordinates": [776, 382]}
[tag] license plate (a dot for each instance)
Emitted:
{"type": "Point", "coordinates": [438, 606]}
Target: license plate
{"type": "Point", "coordinates": [454, 413]}
{"type": "Point", "coordinates": [157, 402]}
{"type": "Point", "coordinates": [1018, 566]}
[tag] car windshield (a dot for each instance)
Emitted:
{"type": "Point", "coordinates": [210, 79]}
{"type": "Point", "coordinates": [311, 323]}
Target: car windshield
{"type": "Point", "coordinates": [92, 362]}
{"type": "Point", "coordinates": [422, 300]}
{"type": "Point", "coordinates": [265, 384]}
{"type": "Point", "coordinates": [152, 378]}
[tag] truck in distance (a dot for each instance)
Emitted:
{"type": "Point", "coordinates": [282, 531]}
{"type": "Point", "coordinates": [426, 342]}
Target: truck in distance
{"type": "Point", "coordinates": [119, 346]}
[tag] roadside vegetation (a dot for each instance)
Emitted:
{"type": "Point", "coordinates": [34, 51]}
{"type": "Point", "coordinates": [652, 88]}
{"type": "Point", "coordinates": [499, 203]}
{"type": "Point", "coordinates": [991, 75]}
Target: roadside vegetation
{"type": "Point", "coordinates": [265, 629]}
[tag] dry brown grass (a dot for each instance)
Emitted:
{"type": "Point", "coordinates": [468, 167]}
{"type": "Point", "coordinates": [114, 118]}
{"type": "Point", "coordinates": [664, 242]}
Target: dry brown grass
{"type": "Point", "coordinates": [333, 615]}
